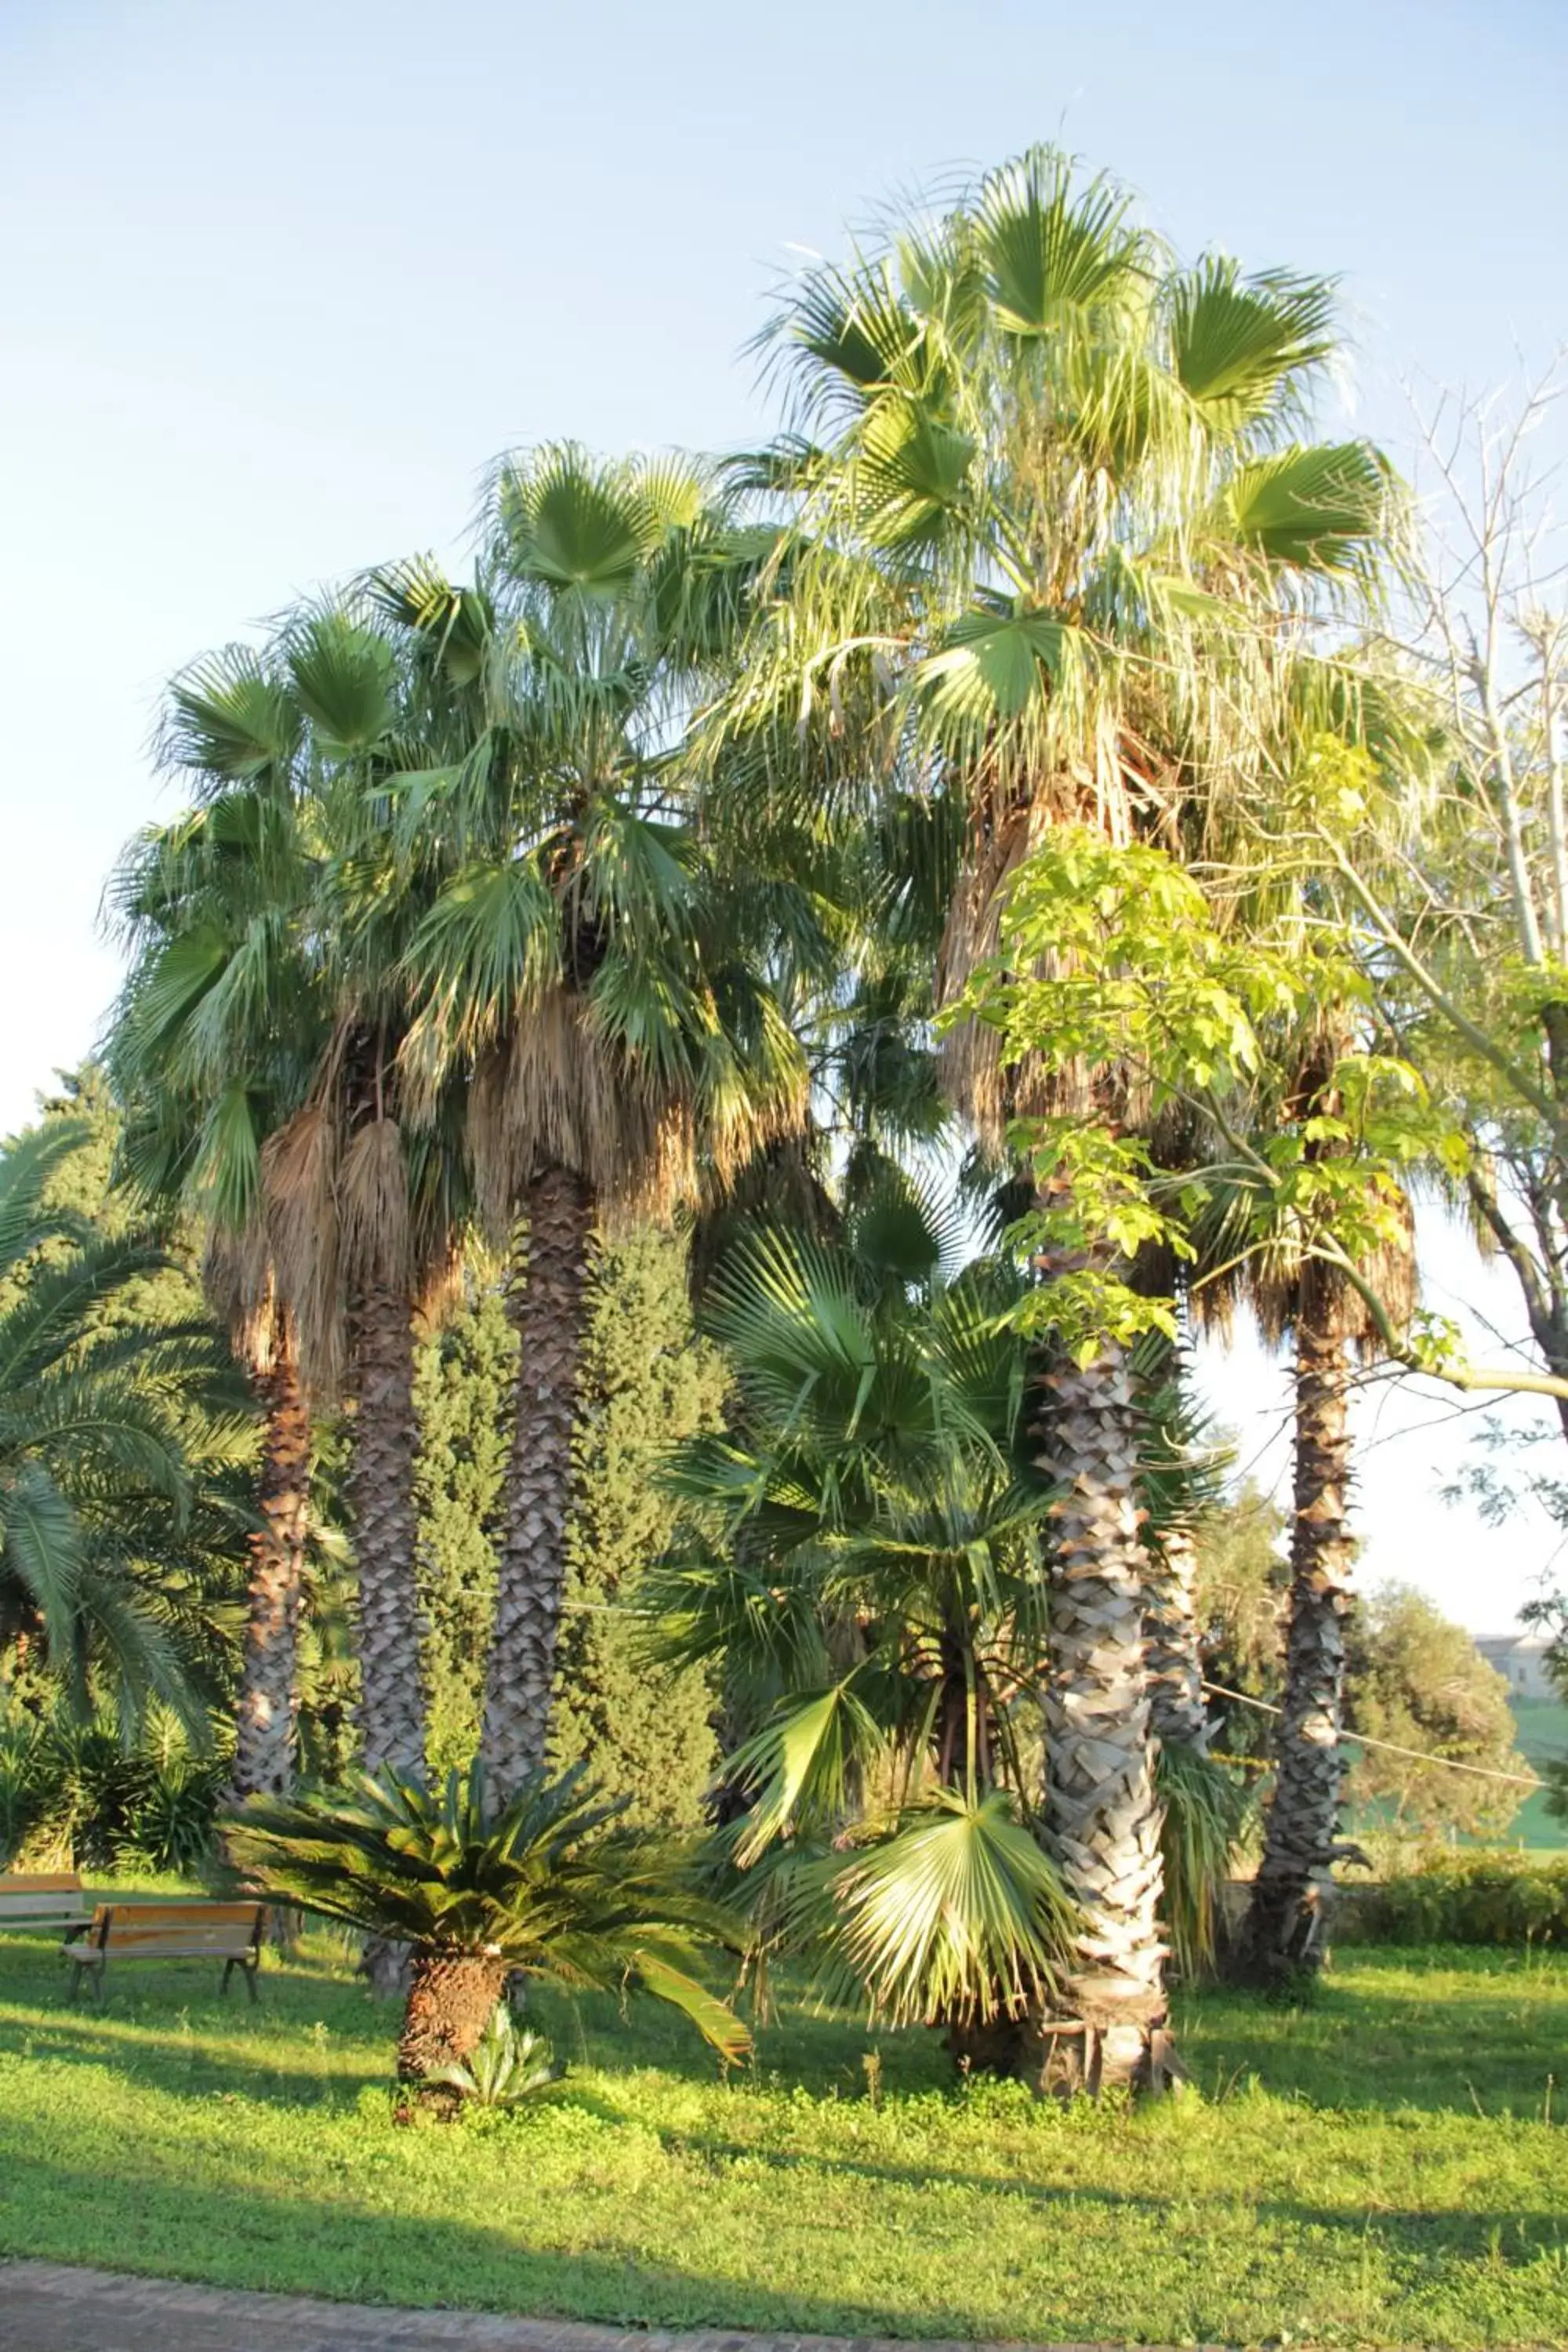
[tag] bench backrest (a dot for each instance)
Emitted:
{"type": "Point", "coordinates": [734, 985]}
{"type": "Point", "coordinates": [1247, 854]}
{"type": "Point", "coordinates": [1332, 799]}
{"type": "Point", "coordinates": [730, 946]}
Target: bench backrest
{"type": "Point", "coordinates": [177, 1929]}
{"type": "Point", "coordinates": [30, 1899]}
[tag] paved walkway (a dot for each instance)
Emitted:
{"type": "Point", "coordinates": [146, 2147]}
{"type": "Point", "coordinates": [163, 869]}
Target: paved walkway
{"type": "Point", "coordinates": [49, 2307]}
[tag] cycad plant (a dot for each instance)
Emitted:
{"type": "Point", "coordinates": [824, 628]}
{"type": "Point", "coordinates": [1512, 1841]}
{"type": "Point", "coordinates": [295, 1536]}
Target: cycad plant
{"type": "Point", "coordinates": [544, 1885]}
{"type": "Point", "coordinates": [1056, 544]}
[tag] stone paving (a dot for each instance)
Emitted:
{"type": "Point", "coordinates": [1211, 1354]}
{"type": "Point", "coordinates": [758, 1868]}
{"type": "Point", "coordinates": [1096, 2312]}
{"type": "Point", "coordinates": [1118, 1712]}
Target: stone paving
{"type": "Point", "coordinates": [51, 2307]}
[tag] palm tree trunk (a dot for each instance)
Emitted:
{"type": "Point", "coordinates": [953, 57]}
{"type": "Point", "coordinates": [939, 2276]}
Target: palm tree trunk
{"type": "Point", "coordinates": [1282, 1934]}
{"type": "Point", "coordinates": [1102, 1817]}
{"type": "Point", "coordinates": [265, 1712]}
{"type": "Point", "coordinates": [1171, 1631]}
{"type": "Point", "coordinates": [546, 1297]}
{"type": "Point", "coordinates": [381, 1499]}
{"type": "Point", "coordinates": [450, 1998]}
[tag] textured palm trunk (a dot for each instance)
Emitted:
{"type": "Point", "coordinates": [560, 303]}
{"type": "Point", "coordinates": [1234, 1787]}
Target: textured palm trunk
{"type": "Point", "coordinates": [1170, 1637]}
{"type": "Point", "coordinates": [546, 1299]}
{"type": "Point", "coordinates": [450, 1997]}
{"type": "Point", "coordinates": [265, 1713]}
{"type": "Point", "coordinates": [1282, 1934]}
{"type": "Point", "coordinates": [1102, 1816]}
{"type": "Point", "coordinates": [381, 1500]}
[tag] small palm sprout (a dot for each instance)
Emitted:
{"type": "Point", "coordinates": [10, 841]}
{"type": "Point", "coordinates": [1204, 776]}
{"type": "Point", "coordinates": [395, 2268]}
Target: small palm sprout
{"type": "Point", "coordinates": [504, 2067]}
{"type": "Point", "coordinates": [547, 1885]}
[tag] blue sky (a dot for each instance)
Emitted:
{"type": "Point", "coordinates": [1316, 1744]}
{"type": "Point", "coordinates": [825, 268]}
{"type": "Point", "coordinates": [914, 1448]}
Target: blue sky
{"type": "Point", "coordinates": [276, 280]}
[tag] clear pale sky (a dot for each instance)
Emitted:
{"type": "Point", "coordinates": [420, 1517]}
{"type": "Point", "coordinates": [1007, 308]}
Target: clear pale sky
{"type": "Point", "coordinates": [276, 280]}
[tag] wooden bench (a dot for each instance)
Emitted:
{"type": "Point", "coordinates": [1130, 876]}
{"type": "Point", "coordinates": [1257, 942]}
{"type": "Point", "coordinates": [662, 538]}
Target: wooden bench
{"type": "Point", "coordinates": [44, 1898]}
{"type": "Point", "coordinates": [229, 1932]}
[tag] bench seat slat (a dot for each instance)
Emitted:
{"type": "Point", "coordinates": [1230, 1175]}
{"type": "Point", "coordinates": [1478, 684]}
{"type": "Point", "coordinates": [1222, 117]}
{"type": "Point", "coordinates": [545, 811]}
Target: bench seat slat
{"type": "Point", "coordinates": [159, 1940]}
{"type": "Point", "coordinates": [94, 1955]}
{"type": "Point", "coordinates": [42, 1898]}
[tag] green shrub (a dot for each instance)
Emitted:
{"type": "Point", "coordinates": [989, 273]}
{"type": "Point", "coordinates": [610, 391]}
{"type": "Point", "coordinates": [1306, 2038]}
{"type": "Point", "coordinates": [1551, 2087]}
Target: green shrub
{"type": "Point", "coordinates": [1464, 1898]}
{"type": "Point", "coordinates": [75, 1795]}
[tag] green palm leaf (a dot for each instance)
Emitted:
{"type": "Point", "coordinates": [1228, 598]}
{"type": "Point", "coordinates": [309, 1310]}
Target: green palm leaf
{"type": "Point", "coordinates": [957, 1914]}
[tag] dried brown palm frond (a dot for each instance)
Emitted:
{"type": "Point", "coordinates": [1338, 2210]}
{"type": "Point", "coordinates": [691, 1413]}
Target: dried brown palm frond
{"type": "Point", "coordinates": [298, 1179]}
{"type": "Point", "coordinates": [562, 1092]}
{"type": "Point", "coordinates": [441, 1287]}
{"type": "Point", "coordinates": [373, 1200]}
{"type": "Point", "coordinates": [556, 1093]}
{"type": "Point", "coordinates": [241, 1286]}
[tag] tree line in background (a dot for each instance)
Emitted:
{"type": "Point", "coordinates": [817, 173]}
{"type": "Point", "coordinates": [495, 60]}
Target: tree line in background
{"type": "Point", "coordinates": [711, 1073]}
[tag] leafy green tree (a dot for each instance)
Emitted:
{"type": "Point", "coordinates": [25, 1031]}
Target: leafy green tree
{"type": "Point", "coordinates": [646, 1382]}
{"type": "Point", "coordinates": [1242, 1580]}
{"type": "Point", "coordinates": [644, 1734]}
{"type": "Point", "coordinates": [465, 1380]}
{"type": "Point", "coordinates": [1418, 1681]}
{"type": "Point", "coordinates": [257, 1045]}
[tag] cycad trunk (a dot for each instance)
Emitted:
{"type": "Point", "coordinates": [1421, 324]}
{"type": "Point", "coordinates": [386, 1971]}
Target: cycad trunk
{"type": "Point", "coordinates": [547, 1301]}
{"type": "Point", "coordinates": [1283, 1935]}
{"type": "Point", "coordinates": [450, 1997]}
{"type": "Point", "coordinates": [1102, 1816]}
{"type": "Point", "coordinates": [1170, 1630]}
{"type": "Point", "coordinates": [381, 1500]}
{"type": "Point", "coordinates": [265, 1712]}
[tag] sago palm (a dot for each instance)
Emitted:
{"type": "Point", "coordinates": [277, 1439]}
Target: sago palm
{"type": "Point", "coordinates": [1056, 543]}
{"type": "Point", "coordinates": [544, 1885]}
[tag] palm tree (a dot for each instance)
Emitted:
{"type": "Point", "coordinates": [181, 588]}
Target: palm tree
{"type": "Point", "coordinates": [1055, 544]}
{"type": "Point", "coordinates": [582, 957]}
{"type": "Point", "coordinates": [256, 1048]}
{"type": "Point", "coordinates": [545, 1886]}
{"type": "Point", "coordinates": [1296, 1292]}
{"type": "Point", "coordinates": [116, 1435]}
{"type": "Point", "coordinates": [863, 1564]}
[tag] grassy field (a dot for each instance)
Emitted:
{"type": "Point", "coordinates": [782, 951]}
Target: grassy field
{"type": "Point", "coordinates": [1385, 2166]}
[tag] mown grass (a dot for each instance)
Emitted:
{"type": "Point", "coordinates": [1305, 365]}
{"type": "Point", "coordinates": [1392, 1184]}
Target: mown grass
{"type": "Point", "coordinates": [1385, 2166]}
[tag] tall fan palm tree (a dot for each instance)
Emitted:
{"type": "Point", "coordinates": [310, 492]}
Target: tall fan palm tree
{"type": "Point", "coordinates": [210, 1048]}
{"type": "Point", "coordinates": [1295, 1293]}
{"type": "Point", "coordinates": [1055, 544]}
{"type": "Point", "coordinates": [256, 1044]}
{"type": "Point", "coordinates": [584, 957]}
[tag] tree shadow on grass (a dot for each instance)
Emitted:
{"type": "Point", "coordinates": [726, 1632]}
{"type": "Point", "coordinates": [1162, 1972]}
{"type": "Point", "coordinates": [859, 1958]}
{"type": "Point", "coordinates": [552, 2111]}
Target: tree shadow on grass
{"type": "Point", "coordinates": [1358, 2046]}
{"type": "Point", "coordinates": [362, 2252]}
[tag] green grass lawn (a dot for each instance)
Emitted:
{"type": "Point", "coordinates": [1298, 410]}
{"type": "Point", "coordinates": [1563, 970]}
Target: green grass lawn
{"type": "Point", "coordinates": [1378, 2168]}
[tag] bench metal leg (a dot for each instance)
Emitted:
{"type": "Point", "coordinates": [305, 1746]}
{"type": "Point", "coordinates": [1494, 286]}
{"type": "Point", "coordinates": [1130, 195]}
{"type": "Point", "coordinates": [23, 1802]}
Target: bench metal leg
{"type": "Point", "coordinates": [95, 1971]}
{"type": "Point", "coordinates": [247, 1967]}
